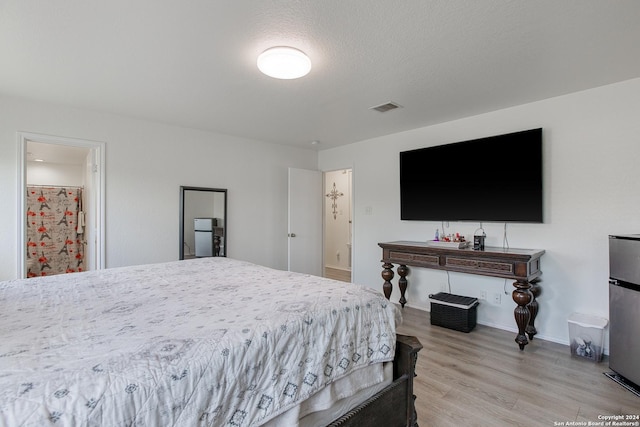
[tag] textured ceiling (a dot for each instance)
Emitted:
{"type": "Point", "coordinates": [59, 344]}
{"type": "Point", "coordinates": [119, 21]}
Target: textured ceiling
{"type": "Point", "coordinates": [192, 63]}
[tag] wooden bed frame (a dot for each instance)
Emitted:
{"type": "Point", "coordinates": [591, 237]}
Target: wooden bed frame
{"type": "Point", "coordinates": [395, 405]}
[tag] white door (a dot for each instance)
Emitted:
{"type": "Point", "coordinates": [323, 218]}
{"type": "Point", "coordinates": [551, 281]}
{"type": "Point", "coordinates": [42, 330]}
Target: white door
{"type": "Point", "coordinates": [305, 221]}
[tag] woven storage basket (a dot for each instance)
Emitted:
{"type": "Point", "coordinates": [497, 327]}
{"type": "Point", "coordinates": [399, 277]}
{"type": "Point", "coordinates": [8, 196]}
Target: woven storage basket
{"type": "Point", "coordinates": [453, 311]}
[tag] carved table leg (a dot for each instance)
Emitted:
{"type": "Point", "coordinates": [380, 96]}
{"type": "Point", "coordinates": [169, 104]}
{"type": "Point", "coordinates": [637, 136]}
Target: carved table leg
{"type": "Point", "coordinates": [533, 310]}
{"type": "Point", "coordinates": [402, 283]}
{"type": "Point", "coordinates": [387, 275]}
{"type": "Point", "coordinates": [522, 296]}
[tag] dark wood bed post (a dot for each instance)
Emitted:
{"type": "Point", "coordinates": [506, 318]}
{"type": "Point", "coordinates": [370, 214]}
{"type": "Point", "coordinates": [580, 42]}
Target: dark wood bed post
{"type": "Point", "coordinates": [407, 348]}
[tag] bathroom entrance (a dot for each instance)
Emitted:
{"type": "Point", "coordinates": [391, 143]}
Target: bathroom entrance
{"type": "Point", "coordinates": [338, 224]}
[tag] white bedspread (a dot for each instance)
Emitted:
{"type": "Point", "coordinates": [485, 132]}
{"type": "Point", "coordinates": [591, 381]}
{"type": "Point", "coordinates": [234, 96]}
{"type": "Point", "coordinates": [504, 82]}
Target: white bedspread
{"type": "Point", "coordinates": [211, 341]}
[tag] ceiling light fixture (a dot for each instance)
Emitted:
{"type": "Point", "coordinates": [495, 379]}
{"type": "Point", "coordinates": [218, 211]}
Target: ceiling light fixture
{"type": "Point", "coordinates": [283, 62]}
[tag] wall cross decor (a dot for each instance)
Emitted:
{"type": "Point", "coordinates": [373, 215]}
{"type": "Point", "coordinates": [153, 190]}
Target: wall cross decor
{"type": "Point", "coordinates": [333, 195]}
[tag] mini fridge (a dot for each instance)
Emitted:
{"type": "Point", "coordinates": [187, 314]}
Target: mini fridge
{"type": "Point", "coordinates": [204, 236]}
{"type": "Point", "coordinates": [624, 306]}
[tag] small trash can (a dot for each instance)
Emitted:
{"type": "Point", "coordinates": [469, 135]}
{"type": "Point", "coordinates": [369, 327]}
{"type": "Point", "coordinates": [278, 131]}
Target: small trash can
{"type": "Point", "coordinates": [453, 311]}
{"type": "Point", "coordinates": [586, 336]}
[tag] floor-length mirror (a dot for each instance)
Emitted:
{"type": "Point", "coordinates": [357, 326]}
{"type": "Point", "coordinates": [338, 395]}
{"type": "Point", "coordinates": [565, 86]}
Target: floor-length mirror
{"type": "Point", "coordinates": [203, 217]}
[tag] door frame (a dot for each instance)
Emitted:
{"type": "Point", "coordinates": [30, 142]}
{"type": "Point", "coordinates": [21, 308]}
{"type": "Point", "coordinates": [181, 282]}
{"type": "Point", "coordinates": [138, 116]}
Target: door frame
{"type": "Point", "coordinates": [97, 204]}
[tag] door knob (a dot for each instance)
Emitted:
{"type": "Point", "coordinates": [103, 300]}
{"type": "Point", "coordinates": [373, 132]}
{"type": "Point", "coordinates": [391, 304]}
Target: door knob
{"type": "Point", "coordinates": [291, 234]}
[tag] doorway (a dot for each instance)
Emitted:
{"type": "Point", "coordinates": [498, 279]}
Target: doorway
{"type": "Point", "coordinates": [338, 224]}
{"type": "Point", "coordinates": [64, 163]}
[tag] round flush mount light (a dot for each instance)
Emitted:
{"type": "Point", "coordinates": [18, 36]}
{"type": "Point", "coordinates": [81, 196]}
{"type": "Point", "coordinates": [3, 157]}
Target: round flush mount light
{"type": "Point", "coordinates": [283, 62]}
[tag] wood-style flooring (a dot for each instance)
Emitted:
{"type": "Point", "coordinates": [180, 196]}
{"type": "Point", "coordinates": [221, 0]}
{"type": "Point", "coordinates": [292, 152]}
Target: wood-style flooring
{"type": "Point", "coordinates": [482, 378]}
{"type": "Point", "coordinates": [337, 274]}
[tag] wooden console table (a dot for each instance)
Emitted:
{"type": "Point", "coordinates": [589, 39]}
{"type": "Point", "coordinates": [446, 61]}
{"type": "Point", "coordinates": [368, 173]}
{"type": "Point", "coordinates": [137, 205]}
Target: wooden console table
{"type": "Point", "coordinates": [521, 265]}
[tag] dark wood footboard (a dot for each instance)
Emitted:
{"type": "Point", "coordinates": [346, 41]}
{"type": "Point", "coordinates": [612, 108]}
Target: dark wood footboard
{"type": "Point", "coordinates": [393, 406]}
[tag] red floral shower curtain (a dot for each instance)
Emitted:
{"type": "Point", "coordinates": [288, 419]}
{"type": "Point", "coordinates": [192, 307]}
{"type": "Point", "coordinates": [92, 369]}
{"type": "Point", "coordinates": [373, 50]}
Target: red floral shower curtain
{"type": "Point", "coordinates": [54, 241]}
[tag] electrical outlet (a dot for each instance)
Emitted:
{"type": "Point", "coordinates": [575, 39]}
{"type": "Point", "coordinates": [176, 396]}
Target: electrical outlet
{"type": "Point", "coordinates": [483, 295]}
{"type": "Point", "coordinates": [497, 297]}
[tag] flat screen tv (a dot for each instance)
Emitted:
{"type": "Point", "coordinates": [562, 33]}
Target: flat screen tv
{"type": "Point", "coordinates": [493, 179]}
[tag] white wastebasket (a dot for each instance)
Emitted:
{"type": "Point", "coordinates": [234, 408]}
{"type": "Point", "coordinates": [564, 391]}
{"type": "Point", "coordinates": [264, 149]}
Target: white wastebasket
{"type": "Point", "coordinates": [586, 336]}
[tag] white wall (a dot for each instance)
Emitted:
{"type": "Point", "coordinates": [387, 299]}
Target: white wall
{"type": "Point", "coordinates": [592, 189]}
{"type": "Point", "coordinates": [146, 164]}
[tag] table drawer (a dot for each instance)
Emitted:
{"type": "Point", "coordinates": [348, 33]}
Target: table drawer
{"type": "Point", "coordinates": [414, 259]}
{"type": "Point", "coordinates": [479, 265]}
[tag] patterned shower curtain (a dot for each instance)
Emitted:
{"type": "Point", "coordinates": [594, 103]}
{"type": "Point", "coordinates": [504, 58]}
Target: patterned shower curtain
{"type": "Point", "coordinates": [54, 240]}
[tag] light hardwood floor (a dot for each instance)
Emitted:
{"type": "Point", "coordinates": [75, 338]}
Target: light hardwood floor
{"type": "Point", "coordinates": [482, 378]}
{"type": "Point", "coordinates": [337, 274]}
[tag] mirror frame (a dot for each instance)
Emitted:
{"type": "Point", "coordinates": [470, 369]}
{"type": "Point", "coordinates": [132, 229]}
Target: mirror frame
{"type": "Point", "coordinates": [212, 190]}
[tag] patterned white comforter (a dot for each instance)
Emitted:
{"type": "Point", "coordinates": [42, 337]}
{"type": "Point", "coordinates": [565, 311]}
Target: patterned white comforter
{"type": "Point", "coordinates": [211, 341]}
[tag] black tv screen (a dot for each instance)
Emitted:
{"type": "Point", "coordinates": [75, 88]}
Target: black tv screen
{"type": "Point", "coordinates": [494, 179]}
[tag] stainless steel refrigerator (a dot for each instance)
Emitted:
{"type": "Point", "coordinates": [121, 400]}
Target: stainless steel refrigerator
{"type": "Point", "coordinates": [624, 306]}
{"type": "Point", "coordinates": [204, 236]}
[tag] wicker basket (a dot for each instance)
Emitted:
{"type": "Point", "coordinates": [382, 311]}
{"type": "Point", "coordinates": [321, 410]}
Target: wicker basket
{"type": "Point", "coordinates": [453, 311]}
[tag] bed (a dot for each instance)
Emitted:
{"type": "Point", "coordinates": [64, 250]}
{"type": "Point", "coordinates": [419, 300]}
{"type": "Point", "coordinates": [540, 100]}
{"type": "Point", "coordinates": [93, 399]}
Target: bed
{"type": "Point", "coordinates": [210, 341]}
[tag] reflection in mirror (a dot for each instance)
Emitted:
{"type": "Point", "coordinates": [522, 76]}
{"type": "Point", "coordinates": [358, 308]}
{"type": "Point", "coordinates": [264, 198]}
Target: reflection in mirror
{"type": "Point", "coordinates": [203, 217]}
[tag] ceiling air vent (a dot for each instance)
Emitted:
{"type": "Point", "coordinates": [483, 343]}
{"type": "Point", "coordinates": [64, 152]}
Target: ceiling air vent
{"type": "Point", "coordinates": [383, 108]}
